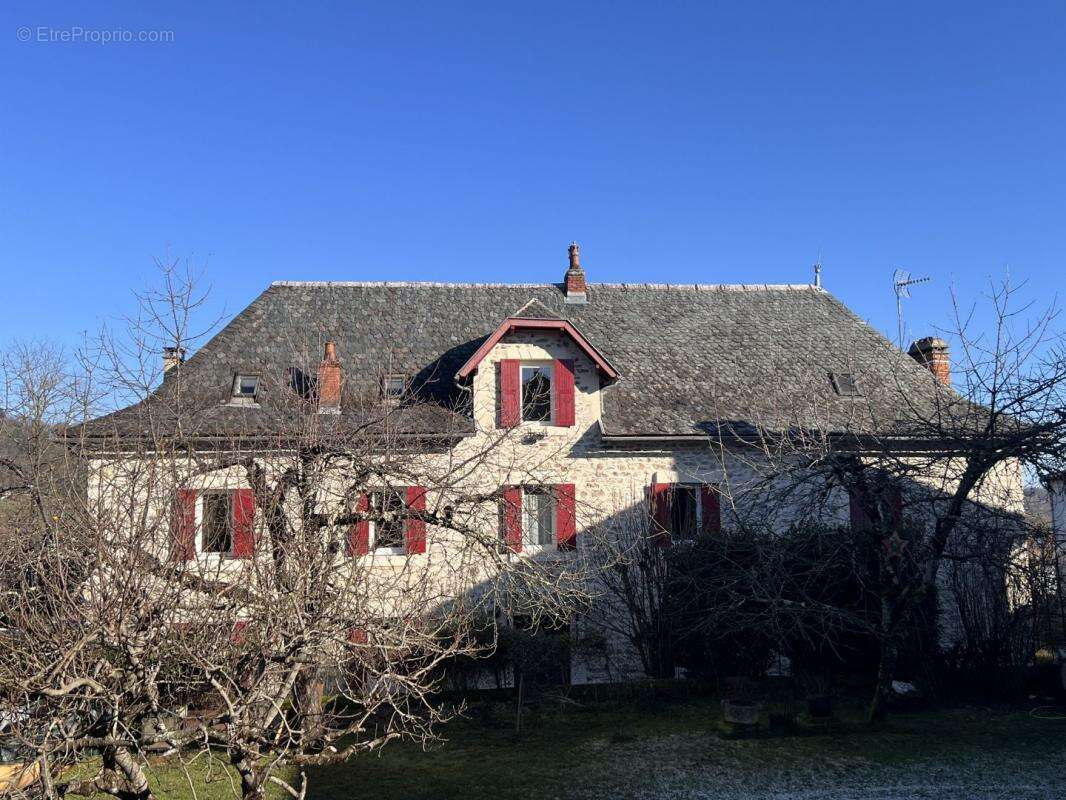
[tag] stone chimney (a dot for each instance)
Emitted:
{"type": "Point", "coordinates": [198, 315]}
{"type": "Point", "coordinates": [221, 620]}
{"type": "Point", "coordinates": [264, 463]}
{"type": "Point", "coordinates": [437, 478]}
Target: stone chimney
{"type": "Point", "coordinates": [932, 353]}
{"type": "Point", "coordinates": [173, 357]}
{"type": "Point", "coordinates": [575, 277]}
{"type": "Point", "coordinates": [329, 382]}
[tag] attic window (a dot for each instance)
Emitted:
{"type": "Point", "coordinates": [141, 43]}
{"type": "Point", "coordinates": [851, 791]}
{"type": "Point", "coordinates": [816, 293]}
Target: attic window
{"type": "Point", "coordinates": [844, 384]}
{"type": "Point", "coordinates": [393, 387]}
{"type": "Point", "coordinates": [245, 386]}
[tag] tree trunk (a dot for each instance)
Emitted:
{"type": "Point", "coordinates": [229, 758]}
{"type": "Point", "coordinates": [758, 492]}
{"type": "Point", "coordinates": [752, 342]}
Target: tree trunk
{"type": "Point", "coordinates": [309, 702]}
{"type": "Point", "coordinates": [251, 781]}
{"type": "Point", "coordinates": [133, 772]}
{"type": "Point", "coordinates": [883, 689]}
{"type": "Point", "coordinates": [121, 776]}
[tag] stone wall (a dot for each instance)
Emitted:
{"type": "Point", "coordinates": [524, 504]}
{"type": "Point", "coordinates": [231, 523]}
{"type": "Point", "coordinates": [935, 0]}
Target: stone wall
{"type": "Point", "coordinates": [607, 481]}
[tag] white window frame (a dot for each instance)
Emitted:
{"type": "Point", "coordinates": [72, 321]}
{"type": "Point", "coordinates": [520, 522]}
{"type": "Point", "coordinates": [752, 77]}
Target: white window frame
{"type": "Point", "coordinates": [238, 399]}
{"type": "Point", "coordinates": [404, 386]}
{"type": "Point", "coordinates": [372, 534]}
{"type": "Point", "coordinates": [536, 547]}
{"type": "Point", "coordinates": [549, 366]}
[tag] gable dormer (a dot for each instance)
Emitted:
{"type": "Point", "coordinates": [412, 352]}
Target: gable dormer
{"type": "Point", "coordinates": [537, 358]}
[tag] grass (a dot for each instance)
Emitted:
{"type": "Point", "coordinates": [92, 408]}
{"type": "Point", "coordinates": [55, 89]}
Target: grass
{"type": "Point", "coordinates": [654, 746]}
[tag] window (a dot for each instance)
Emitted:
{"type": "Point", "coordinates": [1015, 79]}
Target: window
{"type": "Point", "coordinates": [536, 393]}
{"type": "Point", "coordinates": [393, 387]}
{"type": "Point", "coordinates": [684, 513]}
{"type": "Point", "coordinates": [538, 517]}
{"type": "Point", "coordinates": [844, 384]}
{"type": "Point", "coordinates": [887, 500]}
{"type": "Point", "coordinates": [390, 514]}
{"type": "Point", "coordinates": [245, 386]}
{"type": "Point", "coordinates": [217, 532]}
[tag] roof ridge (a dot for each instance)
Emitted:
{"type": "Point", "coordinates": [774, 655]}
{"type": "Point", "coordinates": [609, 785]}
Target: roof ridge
{"type": "Point", "coordinates": [725, 287]}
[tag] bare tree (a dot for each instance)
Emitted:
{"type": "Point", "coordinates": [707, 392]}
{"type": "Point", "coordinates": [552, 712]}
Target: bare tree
{"type": "Point", "coordinates": [292, 642]}
{"type": "Point", "coordinates": [627, 565]}
{"type": "Point", "coordinates": [936, 481]}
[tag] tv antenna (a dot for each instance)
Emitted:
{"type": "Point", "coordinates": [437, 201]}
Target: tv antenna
{"type": "Point", "coordinates": [901, 284]}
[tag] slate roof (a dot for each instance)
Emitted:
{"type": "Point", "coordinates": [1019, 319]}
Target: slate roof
{"type": "Point", "coordinates": [690, 356]}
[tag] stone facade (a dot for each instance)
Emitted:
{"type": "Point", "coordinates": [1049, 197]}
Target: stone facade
{"type": "Point", "coordinates": [608, 480]}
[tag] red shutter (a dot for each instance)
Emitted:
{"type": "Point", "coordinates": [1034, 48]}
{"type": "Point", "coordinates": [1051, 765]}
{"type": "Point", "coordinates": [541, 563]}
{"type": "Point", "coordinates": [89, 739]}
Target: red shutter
{"type": "Point", "coordinates": [895, 507]}
{"type": "Point", "coordinates": [239, 628]}
{"type": "Point", "coordinates": [357, 636]}
{"type": "Point", "coordinates": [183, 525]}
{"type": "Point", "coordinates": [660, 495]}
{"type": "Point", "coordinates": [510, 393]}
{"type": "Point", "coordinates": [243, 523]}
{"type": "Point", "coordinates": [511, 517]}
{"type": "Point", "coordinates": [565, 516]}
{"type": "Point", "coordinates": [415, 527]}
{"type": "Point", "coordinates": [859, 520]}
{"type": "Point", "coordinates": [710, 508]}
{"type": "Point", "coordinates": [564, 391]}
{"type": "Point", "coordinates": [359, 533]}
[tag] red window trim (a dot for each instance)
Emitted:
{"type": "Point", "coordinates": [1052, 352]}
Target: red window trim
{"type": "Point", "coordinates": [514, 324]}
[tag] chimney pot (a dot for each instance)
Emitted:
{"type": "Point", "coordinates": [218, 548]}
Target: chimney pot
{"type": "Point", "coordinates": [932, 353]}
{"type": "Point", "coordinates": [329, 382]}
{"type": "Point", "coordinates": [172, 357]}
{"type": "Point", "coordinates": [576, 290]}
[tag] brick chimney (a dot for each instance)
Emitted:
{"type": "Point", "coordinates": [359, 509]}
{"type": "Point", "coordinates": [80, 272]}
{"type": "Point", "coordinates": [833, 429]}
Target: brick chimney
{"type": "Point", "coordinates": [329, 382]}
{"type": "Point", "coordinates": [173, 357]}
{"type": "Point", "coordinates": [575, 277]}
{"type": "Point", "coordinates": [932, 353]}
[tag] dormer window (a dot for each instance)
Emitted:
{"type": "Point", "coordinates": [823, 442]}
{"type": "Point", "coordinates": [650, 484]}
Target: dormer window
{"type": "Point", "coordinates": [540, 392]}
{"type": "Point", "coordinates": [245, 388]}
{"type": "Point", "coordinates": [536, 392]}
{"type": "Point", "coordinates": [393, 387]}
{"type": "Point", "coordinates": [844, 384]}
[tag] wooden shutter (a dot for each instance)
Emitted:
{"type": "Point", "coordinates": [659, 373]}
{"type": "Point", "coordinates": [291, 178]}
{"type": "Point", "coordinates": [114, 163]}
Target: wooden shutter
{"type": "Point", "coordinates": [710, 509]}
{"type": "Point", "coordinates": [859, 520]}
{"type": "Point", "coordinates": [895, 507]}
{"type": "Point", "coordinates": [415, 526]}
{"type": "Point", "coordinates": [510, 393]}
{"type": "Point", "coordinates": [243, 502]}
{"type": "Point", "coordinates": [357, 636]}
{"type": "Point", "coordinates": [359, 533]}
{"type": "Point", "coordinates": [183, 525]}
{"type": "Point", "coordinates": [660, 495]}
{"type": "Point", "coordinates": [565, 516]}
{"type": "Point", "coordinates": [511, 517]}
{"type": "Point", "coordinates": [564, 391]}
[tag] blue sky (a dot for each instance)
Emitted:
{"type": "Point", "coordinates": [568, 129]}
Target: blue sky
{"type": "Point", "coordinates": [709, 142]}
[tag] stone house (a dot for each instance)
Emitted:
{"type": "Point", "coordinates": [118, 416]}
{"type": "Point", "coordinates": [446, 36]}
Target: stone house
{"type": "Point", "coordinates": [615, 392]}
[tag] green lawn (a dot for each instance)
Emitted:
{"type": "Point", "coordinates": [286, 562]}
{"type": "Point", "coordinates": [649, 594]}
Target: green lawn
{"type": "Point", "coordinates": [653, 747]}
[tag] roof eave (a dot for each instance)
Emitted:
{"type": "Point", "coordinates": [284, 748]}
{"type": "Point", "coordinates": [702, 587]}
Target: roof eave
{"type": "Point", "coordinates": [512, 324]}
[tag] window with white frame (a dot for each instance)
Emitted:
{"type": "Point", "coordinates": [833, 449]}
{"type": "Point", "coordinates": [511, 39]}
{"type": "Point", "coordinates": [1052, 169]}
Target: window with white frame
{"type": "Point", "coordinates": [389, 518]}
{"type": "Point", "coordinates": [538, 517]}
{"type": "Point", "coordinates": [216, 528]}
{"type": "Point", "coordinates": [245, 387]}
{"type": "Point", "coordinates": [537, 392]}
{"type": "Point", "coordinates": [393, 387]}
